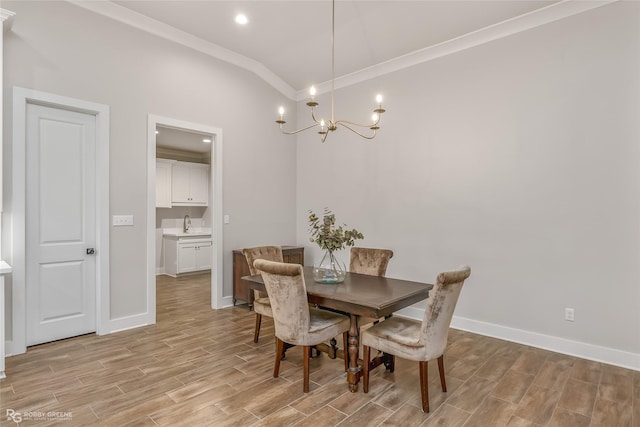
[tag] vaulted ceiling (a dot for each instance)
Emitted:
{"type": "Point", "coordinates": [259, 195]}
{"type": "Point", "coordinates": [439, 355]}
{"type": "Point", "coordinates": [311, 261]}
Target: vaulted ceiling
{"type": "Point", "coordinates": [288, 43]}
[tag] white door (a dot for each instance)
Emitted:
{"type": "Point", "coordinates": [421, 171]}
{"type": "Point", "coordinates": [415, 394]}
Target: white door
{"type": "Point", "coordinates": [186, 257]}
{"type": "Point", "coordinates": [180, 173]}
{"type": "Point", "coordinates": [163, 184]}
{"type": "Point", "coordinates": [60, 223]}
{"type": "Point", "coordinates": [199, 184]}
{"type": "Point", "coordinates": [204, 256]}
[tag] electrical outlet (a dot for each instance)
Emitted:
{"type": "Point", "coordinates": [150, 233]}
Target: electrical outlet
{"type": "Point", "coordinates": [568, 314]}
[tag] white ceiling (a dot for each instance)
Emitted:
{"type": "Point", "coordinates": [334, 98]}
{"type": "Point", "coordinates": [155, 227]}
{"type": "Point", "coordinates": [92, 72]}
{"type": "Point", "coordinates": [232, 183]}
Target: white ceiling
{"type": "Point", "coordinates": [292, 39]}
{"type": "Point", "coordinates": [288, 43]}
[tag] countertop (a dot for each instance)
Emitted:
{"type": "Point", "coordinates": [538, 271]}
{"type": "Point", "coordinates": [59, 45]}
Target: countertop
{"type": "Point", "coordinates": [193, 232]}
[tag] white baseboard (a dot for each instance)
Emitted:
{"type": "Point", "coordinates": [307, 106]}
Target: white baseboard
{"type": "Point", "coordinates": [129, 322]}
{"type": "Point", "coordinates": [560, 345]}
{"type": "Point", "coordinates": [227, 302]}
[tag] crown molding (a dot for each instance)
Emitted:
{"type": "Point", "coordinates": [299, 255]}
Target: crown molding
{"type": "Point", "coordinates": [536, 18]}
{"type": "Point", "coordinates": [149, 25]}
{"type": "Point", "coordinates": [5, 14]}
{"type": "Point", "coordinates": [6, 19]}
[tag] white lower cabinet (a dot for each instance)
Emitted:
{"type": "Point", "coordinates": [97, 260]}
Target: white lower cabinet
{"type": "Point", "coordinates": [187, 254]}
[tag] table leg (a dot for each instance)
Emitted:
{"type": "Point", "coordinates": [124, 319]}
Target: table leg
{"type": "Point", "coordinates": [353, 374]}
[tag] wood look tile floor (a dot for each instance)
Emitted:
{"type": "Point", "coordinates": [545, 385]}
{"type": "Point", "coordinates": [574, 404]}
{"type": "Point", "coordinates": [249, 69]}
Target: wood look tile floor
{"type": "Point", "coordinates": [200, 367]}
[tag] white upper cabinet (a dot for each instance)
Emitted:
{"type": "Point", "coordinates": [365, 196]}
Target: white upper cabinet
{"type": "Point", "coordinates": [163, 183]}
{"type": "Point", "coordinates": [190, 184]}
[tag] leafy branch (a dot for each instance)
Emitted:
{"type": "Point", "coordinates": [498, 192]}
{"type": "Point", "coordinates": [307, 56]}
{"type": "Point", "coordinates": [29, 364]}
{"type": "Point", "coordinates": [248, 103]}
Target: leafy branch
{"type": "Point", "coordinates": [329, 237]}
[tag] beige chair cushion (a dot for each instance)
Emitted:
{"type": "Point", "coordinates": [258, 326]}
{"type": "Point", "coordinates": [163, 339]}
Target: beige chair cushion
{"type": "Point", "coordinates": [296, 323]}
{"type": "Point", "coordinates": [426, 340]}
{"type": "Point", "coordinates": [262, 306]}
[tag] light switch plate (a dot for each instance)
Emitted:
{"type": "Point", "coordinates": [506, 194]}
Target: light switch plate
{"type": "Point", "coordinates": [121, 220]}
{"type": "Point", "coordinates": [226, 219]}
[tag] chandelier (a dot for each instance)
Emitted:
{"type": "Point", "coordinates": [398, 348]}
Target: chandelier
{"type": "Point", "coordinates": [332, 124]}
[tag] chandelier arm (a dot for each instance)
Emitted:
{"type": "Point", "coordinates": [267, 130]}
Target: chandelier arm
{"type": "Point", "coordinates": [297, 131]}
{"type": "Point", "coordinates": [313, 116]}
{"type": "Point", "coordinates": [362, 125]}
{"type": "Point", "coordinates": [356, 132]}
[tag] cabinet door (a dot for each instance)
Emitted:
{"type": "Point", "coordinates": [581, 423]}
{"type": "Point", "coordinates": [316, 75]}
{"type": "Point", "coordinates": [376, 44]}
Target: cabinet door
{"type": "Point", "coordinates": [199, 184]}
{"type": "Point", "coordinates": [186, 257]}
{"type": "Point", "coordinates": [163, 185]}
{"type": "Point", "coordinates": [204, 254]}
{"type": "Point", "coordinates": [180, 182]}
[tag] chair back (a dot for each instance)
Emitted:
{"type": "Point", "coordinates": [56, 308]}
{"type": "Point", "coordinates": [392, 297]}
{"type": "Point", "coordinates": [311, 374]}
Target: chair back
{"type": "Point", "coordinates": [271, 253]}
{"type": "Point", "coordinates": [439, 311]}
{"type": "Point", "coordinates": [288, 297]}
{"type": "Point", "coordinates": [369, 261]}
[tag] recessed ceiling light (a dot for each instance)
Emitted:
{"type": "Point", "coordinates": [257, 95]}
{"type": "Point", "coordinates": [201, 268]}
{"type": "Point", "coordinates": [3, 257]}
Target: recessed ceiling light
{"type": "Point", "coordinates": [157, 132]}
{"type": "Point", "coordinates": [207, 140]}
{"type": "Point", "coordinates": [241, 19]}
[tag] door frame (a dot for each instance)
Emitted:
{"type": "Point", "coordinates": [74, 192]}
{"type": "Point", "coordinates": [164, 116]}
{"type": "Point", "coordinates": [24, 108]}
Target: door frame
{"type": "Point", "coordinates": [217, 299]}
{"type": "Point", "coordinates": [22, 97]}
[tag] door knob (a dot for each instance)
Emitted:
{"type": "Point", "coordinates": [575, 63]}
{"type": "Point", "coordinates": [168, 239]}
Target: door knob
{"type": "Point", "coordinates": [91, 251]}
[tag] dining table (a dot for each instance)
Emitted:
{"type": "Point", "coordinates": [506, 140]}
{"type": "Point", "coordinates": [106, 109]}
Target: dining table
{"type": "Point", "coordinates": [359, 295]}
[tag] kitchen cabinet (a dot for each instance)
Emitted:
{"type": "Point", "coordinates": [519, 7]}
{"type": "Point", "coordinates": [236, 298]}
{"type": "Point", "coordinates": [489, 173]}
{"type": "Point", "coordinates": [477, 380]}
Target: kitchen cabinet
{"type": "Point", "coordinates": [163, 183]}
{"type": "Point", "coordinates": [190, 184]}
{"type": "Point", "coordinates": [241, 291]}
{"type": "Point", "coordinates": [187, 254]}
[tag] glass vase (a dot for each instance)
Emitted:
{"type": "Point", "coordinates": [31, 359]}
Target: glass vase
{"type": "Point", "coordinates": [329, 270]}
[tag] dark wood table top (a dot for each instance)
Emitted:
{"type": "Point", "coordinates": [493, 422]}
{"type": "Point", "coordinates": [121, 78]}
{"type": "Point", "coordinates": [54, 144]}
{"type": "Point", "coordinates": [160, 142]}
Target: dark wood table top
{"type": "Point", "coordinates": [359, 294]}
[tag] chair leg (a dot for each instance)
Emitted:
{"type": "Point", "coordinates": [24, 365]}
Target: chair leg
{"type": "Point", "coordinates": [390, 362]}
{"type": "Point", "coordinates": [345, 346]}
{"type": "Point", "coordinates": [256, 333]}
{"type": "Point", "coordinates": [424, 386]}
{"type": "Point", "coordinates": [441, 369]}
{"type": "Point", "coordinates": [366, 361]}
{"type": "Point", "coordinates": [279, 351]}
{"type": "Point", "coordinates": [305, 381]}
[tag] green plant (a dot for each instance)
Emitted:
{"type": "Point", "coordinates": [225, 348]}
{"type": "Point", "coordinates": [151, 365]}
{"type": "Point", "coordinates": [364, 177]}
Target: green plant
{"type": "Point", "coordinates": [329, 236]}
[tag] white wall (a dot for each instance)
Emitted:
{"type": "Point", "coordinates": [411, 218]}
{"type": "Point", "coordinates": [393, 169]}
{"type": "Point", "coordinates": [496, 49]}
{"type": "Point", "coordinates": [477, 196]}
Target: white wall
{"type": "Point", "coordinates": [519, 157]}
{"type": "Point", "coordinates": [59, 48]}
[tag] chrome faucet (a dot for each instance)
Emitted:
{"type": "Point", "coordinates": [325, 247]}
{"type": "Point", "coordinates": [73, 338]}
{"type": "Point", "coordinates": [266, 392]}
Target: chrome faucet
{"type": "Point", "coordinates": [187, 224]}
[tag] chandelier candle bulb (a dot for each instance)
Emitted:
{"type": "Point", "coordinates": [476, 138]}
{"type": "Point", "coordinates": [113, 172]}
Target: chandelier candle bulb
{"type": "Point", "coordinates": [312, 92]}
{"type": "Point", "coordinates": [281, 112]}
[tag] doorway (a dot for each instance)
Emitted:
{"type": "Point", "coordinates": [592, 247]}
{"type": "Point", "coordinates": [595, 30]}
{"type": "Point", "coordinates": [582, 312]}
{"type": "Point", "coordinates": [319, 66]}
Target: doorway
{"type": "Point", "coordinates": [211, 214]}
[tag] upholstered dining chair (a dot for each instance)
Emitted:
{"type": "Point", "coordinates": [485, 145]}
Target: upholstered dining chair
{"type": "Point", "coordinates": [415, 340]}
{"type": "Point", "coordinates": [261, 304]}
{"type": "Point", "coordinates": [295, 321]}
{"type": "Point", "coordinates": [369, 261]}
